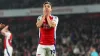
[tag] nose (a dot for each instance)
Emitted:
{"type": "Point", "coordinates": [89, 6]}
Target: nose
{"type": "Point", "coordinates": [46, 8]}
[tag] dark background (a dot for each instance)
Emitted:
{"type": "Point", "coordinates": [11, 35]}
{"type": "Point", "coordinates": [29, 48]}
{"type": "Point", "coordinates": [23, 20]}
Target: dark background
{"type": "Point", "coordinates": [74, 31]}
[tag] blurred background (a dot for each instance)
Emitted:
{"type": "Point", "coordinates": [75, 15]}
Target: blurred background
{"type": "Point", "coordinates": [78, 28]}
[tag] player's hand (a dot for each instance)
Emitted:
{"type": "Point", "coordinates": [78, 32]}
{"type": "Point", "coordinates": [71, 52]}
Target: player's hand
{"type": "Point", "coordinates": [44, 13]}
{"type": "Point", "coordinates": [48, 14]}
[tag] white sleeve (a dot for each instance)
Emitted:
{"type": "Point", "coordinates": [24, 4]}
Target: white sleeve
{"type": "Point", "coordinates": [56, 20]}
{"type": "Point", "coordinates": [7, 33]}
{"type": "Point", "coordinates": [39, 18]}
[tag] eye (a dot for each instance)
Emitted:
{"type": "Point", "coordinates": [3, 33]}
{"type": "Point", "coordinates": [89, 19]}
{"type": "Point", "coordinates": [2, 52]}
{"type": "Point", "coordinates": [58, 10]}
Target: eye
{"type": "Point", "coordinates": [45, 6]}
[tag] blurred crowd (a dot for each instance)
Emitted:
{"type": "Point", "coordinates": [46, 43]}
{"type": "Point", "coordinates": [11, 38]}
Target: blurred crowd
{"type": "Point", "coordinates": [78, 34]}
{"type": "Point", "coordinates": [20, 4]}
{"type": "Point", "coordinates": [75, 35]}
{"type": "Point", "coordinates": [24, 34]}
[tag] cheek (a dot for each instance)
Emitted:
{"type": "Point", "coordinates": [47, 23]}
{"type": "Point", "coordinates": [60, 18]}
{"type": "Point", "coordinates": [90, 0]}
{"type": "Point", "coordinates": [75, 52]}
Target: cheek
{"type": "Point", "coordinates": [50, 10]}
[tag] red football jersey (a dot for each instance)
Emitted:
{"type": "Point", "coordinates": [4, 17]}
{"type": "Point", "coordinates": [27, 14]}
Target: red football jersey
{"type": "Point", "coordinates": [8, 40]}
{"type": "Point", "coordinates": [47, 34]}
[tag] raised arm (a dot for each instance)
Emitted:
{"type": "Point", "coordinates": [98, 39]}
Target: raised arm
{"type": "Point", "coordinates": [52, 23]}
{"type": "Point", "coordinates": [4, 30]}
{"type": "Point", "coordinates": [40, 20]}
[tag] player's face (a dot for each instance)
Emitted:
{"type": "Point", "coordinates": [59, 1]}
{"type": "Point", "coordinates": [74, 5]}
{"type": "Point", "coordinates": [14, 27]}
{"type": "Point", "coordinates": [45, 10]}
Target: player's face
{"type": "Point", "coordinates": [47, 8]}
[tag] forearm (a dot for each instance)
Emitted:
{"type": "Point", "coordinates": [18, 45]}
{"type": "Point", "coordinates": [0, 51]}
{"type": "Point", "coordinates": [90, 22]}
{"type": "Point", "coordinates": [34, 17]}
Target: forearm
{"type": "Point", "coordinates": [3, 31]}
{"type": "Point", "coordinates": [39, 23]}
{"type": "Point", "coordinates": [50, 23]}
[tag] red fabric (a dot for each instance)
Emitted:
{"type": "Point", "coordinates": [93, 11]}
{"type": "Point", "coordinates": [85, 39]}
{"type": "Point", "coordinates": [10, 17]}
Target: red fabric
{"type": "Point", "coordinates": [47, 34]}
{"type": "Point", "coordinates": [10, 40]}
{"type": "Point", "coordinates": [4, 43]}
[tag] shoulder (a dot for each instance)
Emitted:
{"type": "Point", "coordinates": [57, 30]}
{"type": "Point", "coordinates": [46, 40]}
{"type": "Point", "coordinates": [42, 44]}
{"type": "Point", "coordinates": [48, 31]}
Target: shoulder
{"type": "Point", "coordinates": [40, 16]}
{"type": "Point", "coordinates": [7, 33]}
{"type": "Point", "coordinates": [55, 17]}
